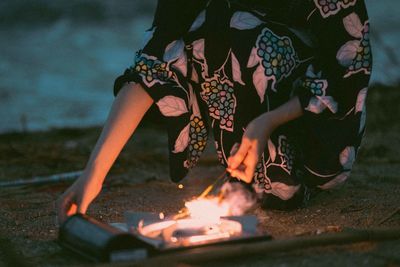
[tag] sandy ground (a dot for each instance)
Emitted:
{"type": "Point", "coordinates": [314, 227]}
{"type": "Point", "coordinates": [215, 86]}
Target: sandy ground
{"type": "Point", "coordinates": [139, 181]}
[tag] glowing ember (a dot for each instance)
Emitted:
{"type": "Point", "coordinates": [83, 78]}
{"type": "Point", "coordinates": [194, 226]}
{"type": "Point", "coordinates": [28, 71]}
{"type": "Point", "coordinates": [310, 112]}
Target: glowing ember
{"type": "Point", "coordinates": [180, 186]}
{"type": "Point", "coordinates": [207, 210]}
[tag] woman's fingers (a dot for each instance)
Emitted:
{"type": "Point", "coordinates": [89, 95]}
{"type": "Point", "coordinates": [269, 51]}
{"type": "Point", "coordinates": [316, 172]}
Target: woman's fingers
{"type": "Point", "coordinates": [245, 171]}
{"type": "Point", "coordinates": [235, 160]}
{"type": "Point", "coordinates": [82, 206]}
{"type": "Point", "coordinates": [72, 210]}
{"type": "Point", "coordinates": [250, 161]}
{"type": "Point", "coordinates": [238, 172]}
{"type": "Point", "coordinates": [64, 205]}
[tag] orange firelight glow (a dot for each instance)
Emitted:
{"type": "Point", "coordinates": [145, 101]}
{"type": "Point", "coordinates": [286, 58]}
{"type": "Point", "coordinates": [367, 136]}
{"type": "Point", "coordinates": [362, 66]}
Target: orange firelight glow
{"type": "Point", "coordinates": [199, 223]}
{"type": "Point", "coordinates": [207, 210]}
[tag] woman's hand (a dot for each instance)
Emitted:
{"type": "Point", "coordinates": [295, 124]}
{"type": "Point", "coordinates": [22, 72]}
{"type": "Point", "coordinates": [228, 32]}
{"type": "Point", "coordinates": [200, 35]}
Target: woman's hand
{"type": "Point", "coordinates": [77, 198]}
{"type": "Point", "coordinates": [243, 161]}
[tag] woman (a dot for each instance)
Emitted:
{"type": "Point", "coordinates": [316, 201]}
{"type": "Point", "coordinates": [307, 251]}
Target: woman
{"type": "Point", "coordinates": [281, 85]}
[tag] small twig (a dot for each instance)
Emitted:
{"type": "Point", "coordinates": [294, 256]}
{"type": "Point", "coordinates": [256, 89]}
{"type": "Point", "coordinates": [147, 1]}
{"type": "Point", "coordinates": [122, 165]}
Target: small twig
{"type": "Point", "coordinates": [210, 187]}
{"type": "Point", "coordinates": [389, 216]}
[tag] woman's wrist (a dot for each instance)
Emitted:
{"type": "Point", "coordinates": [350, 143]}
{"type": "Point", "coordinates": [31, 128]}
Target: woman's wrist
{"type": "Point", "coordinates": [283, 114]}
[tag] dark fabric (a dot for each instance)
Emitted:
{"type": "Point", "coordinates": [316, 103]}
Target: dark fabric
{"type": "Point", "coordinates": [213, 66]}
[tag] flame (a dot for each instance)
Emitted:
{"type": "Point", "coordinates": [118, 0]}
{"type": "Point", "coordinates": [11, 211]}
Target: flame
{"type": "Point", "coordinates": [207, 210]}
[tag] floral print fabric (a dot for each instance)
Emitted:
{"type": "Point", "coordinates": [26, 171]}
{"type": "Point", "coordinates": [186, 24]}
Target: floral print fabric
{"type": "Point", "coordinates": [204, 85]}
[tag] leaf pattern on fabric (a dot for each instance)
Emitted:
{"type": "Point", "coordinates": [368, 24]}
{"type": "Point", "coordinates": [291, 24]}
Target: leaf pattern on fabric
{"type": "Point", "coordinates": [174, 50]}
{"type": "Point", "coordinates": [260, 82]}
{"type": "Point", "coordinates": [315, 106]}
{"type": "Point", "coordinates": [339, 179]}
{"type": "Point", "coordinates": [244, 21]}
{"type": "Point", "coordinates": [318, 104]}
{"type": "Point", "coordinates": [356, 54]}
{"type": "Point", "coordinates": [310, 72]}
{"type": "Point", "coordinates": [362, 95]}
{"type": "Point", "coordinates": [284, 191]}
{"type": "Point", "coordinates": [363, 120]}
{"type": "Point", "coordinates": [331, 7]}
{"type": "Point", "coordinates": [347, 157]}
{"type": "Point", "coordinates": [198, 49]}
{"type": "Point", "coordinates": [199, 57]}
{"type": "Point", "coordinates": [236, 72]}
{"type": "Point", "coordinates": [348, 52]}
{"type": "Point", "coordinates": [181, 65]}
{"type": "Point", "coordinates": [253, 58]}
{"type": "Point", "coordinates": [198, 22]}
{"type": "Point", "coordinates": [172, 106]}
{"type": "Point", "coordinates": [360, 107]}
{"type": "Point", "coordinates": [182, 141]}
{"type": "Point", "coordinates": [175, 56]}
{"type": "Point", "coordinates": [271, 150]}
{"type": "Point", "coordinates": [353, 25]}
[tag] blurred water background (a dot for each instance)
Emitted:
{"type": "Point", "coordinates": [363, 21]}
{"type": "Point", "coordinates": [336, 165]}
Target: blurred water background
{"type": "Point", "coordinates": [58, 59]}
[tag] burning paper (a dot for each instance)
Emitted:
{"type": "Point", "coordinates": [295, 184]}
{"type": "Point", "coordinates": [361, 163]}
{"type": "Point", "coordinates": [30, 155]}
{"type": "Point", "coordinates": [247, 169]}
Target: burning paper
{"type": "Point", "coordinates": [207, 209]}
{"type": "Point", "coordinates": [205, 218]}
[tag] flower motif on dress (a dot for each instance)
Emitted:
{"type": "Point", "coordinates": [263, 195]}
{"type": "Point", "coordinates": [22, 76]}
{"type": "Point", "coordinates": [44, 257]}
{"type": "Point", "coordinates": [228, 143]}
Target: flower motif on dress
{"type": "Point", "coordinates": [286, 151]}
{"type": "Point", "coordinates": [151, 69]}
{"type": "Point", "coordinates": [261, 180]}
{"type": "Point", "coordinates": [276, 59]}
{"type": "Point", "coordinates": [220, 99]}
{"type": "Point", "coordinates": [197, 134]}
{"type": "Point", "coordinates": [356, 54]}
{"type": "Point", "coordinates": [318, 86]}
{"type": "Point", "coordinates": [198, 140]}
{"type": "Point", "coordinates": [331, 7]}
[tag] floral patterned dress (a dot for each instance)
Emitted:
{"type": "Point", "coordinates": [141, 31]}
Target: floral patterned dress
{"type": "Point", "coordinates": [213, 66]}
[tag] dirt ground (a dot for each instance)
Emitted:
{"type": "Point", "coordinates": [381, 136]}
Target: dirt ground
{"type": "Point", "coordinates": [139, 181]}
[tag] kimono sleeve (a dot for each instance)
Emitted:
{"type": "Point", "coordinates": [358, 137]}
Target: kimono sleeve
{"type": "Point", "coordinates": [162, 60]}
{"type": "Point", "coordinates": [161, 68]}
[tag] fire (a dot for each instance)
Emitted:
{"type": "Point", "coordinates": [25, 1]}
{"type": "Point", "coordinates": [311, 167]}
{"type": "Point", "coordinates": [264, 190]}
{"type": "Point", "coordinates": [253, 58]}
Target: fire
{"type": "Point", "coordinates": [201, 222]}
{"type": "Point", "coordinates": [207, 210]}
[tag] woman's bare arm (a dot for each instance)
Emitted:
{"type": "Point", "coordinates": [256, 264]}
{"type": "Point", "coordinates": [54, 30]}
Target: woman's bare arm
{"type": "Point", "coordinates": [127, 111]}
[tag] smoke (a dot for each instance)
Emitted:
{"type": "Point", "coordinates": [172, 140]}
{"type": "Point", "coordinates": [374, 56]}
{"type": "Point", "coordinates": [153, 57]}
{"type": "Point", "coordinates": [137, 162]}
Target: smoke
{"type": "Point", "coordinates": [239, 196]}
